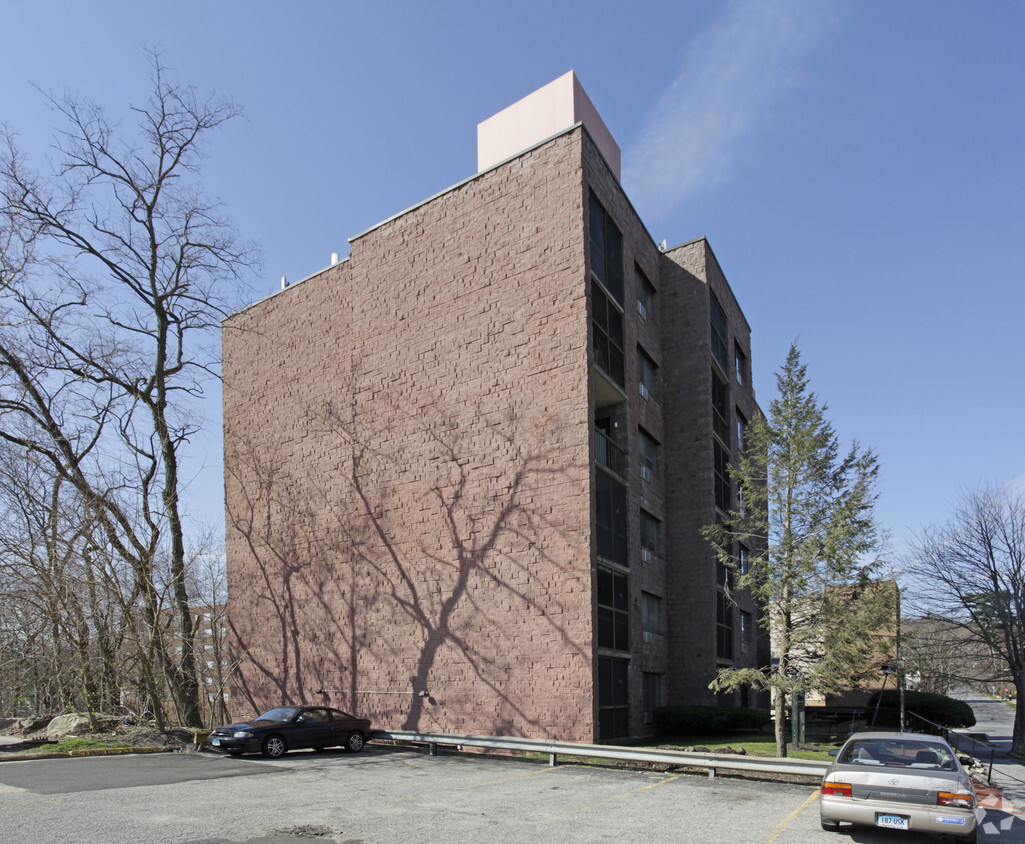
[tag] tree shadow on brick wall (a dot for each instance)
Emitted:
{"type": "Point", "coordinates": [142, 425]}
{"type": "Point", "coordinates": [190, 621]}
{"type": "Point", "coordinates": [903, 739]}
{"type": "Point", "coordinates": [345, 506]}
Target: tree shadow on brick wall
{"type": "Point", "coordinates": [301, 534]}
{"type": "Point", "coordinates": [274, 544]}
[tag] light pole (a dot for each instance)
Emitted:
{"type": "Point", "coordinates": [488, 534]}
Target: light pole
{"type": "Point", "coordinates": [900, 684]}
{"type": "Point", "coordinates": [796, 708]}
{"type": "Point", "coordinates": [887, 671]}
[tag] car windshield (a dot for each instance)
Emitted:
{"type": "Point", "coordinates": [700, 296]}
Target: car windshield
{"type": "Point", "coordinates": [282, 713]}
{"type": "Point", "coordinates": [899, 753]}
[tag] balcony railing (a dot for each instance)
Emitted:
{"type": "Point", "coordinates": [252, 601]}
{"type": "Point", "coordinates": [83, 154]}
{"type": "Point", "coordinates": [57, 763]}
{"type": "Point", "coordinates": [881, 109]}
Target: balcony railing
{"type": "Point", "coordinates": [608, 454]}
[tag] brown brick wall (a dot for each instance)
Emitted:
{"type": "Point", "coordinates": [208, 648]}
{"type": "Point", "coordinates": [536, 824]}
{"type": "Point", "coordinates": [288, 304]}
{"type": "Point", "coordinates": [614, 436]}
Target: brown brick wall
{"type": "Point", "coordinates": [647, 654]}
{"type": "Point", "coordinates": [688, 273]}
{"type": "Point", "coordinates": [407, 467]}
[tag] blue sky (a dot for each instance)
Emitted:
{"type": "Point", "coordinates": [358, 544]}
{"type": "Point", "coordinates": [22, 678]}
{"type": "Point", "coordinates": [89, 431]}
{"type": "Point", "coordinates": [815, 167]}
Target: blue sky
{"type": "Point", "coordinates": [857, 167]}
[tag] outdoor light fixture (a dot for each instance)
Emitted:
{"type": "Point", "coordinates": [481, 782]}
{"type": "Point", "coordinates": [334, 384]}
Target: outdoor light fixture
{"type": "Point", "coordinates": [887, 671]}
{"type": "Point", "coordinates": [423, 693]}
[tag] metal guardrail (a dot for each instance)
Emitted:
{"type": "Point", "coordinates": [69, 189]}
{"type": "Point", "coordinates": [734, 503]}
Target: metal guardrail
{"type": "Point", "coordinates": [954, 738]}
{"type": "Point", "coordinates": [711, 761]}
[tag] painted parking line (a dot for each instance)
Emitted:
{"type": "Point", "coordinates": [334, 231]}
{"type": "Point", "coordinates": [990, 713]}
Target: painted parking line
{"type": "Point", "coordinates": [622, 796]}
{"type": "Point", "coordinates": [404, 765]}
{"type": "Point", "coordinates": [435, 792]}
{"type": "Point", "coordinates": [789, 819]}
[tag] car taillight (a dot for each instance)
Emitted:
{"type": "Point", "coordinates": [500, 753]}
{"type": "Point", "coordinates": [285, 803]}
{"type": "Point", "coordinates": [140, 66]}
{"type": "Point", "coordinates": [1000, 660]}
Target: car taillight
{"type": "Point", "coordinates": [837, 789]}
{"type": "Point", "coordinates": [960, 801]}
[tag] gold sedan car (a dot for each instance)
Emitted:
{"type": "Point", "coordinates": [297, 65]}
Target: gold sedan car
{"type": "Point", "coordinates": [899, 781]}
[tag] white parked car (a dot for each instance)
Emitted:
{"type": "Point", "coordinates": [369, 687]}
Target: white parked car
{"type": "Point", "coordinates": [900, 781]}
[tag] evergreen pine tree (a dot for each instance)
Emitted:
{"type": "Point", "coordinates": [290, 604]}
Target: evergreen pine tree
{"type": "Point", "coordinates": [805, 514]}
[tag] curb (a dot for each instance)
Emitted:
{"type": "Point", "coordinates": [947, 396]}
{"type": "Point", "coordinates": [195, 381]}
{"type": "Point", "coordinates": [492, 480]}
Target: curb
{"type": "Point", "coordinates": [70, 754]}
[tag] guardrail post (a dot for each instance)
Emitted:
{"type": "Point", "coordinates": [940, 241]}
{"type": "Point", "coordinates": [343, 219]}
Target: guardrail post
{"type": "Point", "coordinates": [432, 748]}
{"type": "Point", "coordinates": [553, 760]}
{"type": "Point", "coordinates": [711, 772]}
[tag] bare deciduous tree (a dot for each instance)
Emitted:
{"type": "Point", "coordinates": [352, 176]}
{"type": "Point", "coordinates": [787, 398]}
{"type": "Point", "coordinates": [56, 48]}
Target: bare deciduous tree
{"type": "Point", "coordinates": [970, 572]}
{"type": "Point", "coordinates": [115, 271]}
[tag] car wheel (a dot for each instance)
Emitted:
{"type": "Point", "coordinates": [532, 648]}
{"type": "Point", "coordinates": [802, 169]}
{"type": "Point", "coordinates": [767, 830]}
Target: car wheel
{"type": "Point", "coordinates": [354, 743]}
{"type": "Point", "coordinates": [274, 746]}
{"type": "Point", "coordinates": [830, 826]}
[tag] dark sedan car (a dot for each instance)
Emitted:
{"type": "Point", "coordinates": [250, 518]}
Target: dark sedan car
{"type": "Point", "coordinates": [291, 727]}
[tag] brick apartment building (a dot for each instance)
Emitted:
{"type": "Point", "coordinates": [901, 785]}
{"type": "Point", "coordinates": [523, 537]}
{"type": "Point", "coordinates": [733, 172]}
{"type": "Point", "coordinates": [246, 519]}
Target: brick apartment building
{"type": "Point", "coordinates": [467, 467]}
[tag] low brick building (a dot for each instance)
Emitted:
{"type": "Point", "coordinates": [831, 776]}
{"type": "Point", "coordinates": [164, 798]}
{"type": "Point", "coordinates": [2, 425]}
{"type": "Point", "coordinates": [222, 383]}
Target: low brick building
{"type": "Point", "coordinates": [467, 467]}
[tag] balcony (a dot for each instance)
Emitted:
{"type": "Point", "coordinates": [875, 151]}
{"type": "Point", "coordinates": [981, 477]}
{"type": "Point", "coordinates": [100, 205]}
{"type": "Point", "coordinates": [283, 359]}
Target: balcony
{"type": "Point", "coordinates": [608, 454]}
{"type": "Point", "coordinates": [606, 391]}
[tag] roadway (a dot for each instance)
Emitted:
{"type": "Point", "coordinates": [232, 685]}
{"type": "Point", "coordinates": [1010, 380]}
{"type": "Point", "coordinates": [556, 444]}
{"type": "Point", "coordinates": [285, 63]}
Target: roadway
{"type": "Point", "coordinates": [388, 794]}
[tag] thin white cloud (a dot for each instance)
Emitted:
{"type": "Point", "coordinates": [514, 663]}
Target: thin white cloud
{"type": "Point", "coordinates": [733, 74]}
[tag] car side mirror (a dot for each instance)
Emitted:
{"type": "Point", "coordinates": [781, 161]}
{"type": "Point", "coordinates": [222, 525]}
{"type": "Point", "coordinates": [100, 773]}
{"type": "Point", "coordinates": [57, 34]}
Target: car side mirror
{"type": "Point", "coordinates": [966, 761]}
{"type": "Point", "coordinates": [834, 751]}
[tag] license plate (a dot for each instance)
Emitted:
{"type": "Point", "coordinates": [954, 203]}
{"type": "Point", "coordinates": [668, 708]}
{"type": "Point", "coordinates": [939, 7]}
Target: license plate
{"type": "Point", "coordinates": [892, 822]}
{"type": "Point", "coordinates": [215, 742]}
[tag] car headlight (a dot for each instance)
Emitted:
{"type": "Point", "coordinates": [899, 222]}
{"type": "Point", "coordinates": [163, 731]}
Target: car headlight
{"type": "Point", "coordinates": [241, 734]}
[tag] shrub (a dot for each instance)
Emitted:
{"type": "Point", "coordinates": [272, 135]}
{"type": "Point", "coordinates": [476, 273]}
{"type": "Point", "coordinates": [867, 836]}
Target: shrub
{"type": "Point", "coordinates": [941, 709]}
{"type": "Point", "coordinates": [707, 720]}
{"type": "Point", "coordinates": [887, 717]}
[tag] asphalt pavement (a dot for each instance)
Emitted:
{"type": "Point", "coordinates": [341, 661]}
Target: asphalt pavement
{"type": "Point", "coordinates": [994, 719]}
{"type": "Point", "coordinates": [388, 794]}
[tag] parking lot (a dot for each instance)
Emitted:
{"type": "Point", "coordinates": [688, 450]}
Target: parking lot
{"type": "Point", "coordinates": [387, 794]}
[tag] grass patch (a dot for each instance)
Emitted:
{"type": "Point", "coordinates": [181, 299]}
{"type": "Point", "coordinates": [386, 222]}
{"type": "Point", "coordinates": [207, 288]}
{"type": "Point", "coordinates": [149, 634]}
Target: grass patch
{"type": "Point", "coordinates": [752, 745]}
{"type": "Point", "coordinates": [77, 743]}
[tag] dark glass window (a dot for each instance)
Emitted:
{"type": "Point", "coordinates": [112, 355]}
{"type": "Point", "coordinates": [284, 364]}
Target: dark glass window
{"type": "Point", "coordinates": [745, 559]}
{"type": "Point", "coordinates": [611, 518]}
{"type": "Point", "coordinates": [607, 335]}
{"type": "Point", "coordinates": [722, 476]}
{"type": "Point", "coordinates": [720, 349]}
{"type": "Point", "coordinates": [606, 250]}
{"type": "Point", "coordinates": [647, 374]}
{"type": "Point", "coordinates": [648, 448]}
{"type": "Point", "coordinates": [720, 406]}
{"type": "Point", "coordinates": [650, 532]}
{"type": "Point", "coordinates": [652, 691]}
{"type": "Point", "coordinates": [645, 296]}
{"type": "Point", "coordinates": [613, 697]}
{"type": "Point", "coordinates": [613, 610]}
{"type": "Point", "coordinates": [651, 612]}
{"type": "Point", "coordinates": [741, 364]}
{"type": "Point", "coordinates": [741, 431]}
{"type": "Point", "coordinates": [723, 625]}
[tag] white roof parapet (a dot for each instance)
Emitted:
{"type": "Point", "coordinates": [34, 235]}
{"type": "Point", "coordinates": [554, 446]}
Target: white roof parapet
{"type": "Point", "coordinates": [548, 111]}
